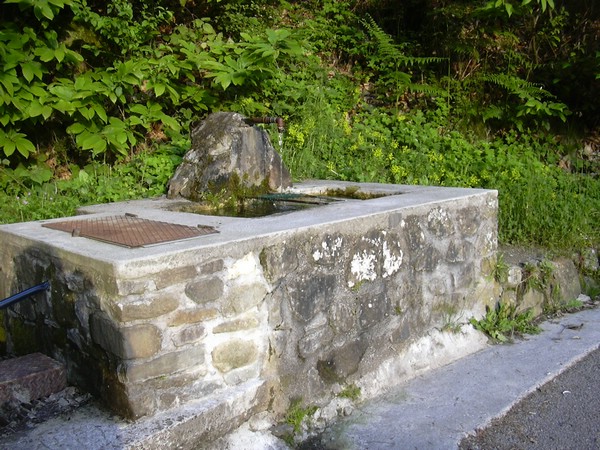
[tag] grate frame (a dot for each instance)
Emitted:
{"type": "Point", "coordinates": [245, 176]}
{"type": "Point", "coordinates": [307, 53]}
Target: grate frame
{"type": "Point", "coordinates": [129, 230]}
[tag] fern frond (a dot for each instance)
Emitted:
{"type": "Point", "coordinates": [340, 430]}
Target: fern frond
{"type": "Point", "coordinates": [387, 48]}
{"type": "Point", "coordinates": [385, 43]}
{"type": "Point", "coordinates": [432, 91]}
{"type": "Point", "coordinates": [522, 88]}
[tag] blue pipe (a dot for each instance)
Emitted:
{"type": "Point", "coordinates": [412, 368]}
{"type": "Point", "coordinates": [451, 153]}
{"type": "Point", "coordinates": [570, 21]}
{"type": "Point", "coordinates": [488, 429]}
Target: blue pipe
{"type": "Point", "coordinates": [23, 295]}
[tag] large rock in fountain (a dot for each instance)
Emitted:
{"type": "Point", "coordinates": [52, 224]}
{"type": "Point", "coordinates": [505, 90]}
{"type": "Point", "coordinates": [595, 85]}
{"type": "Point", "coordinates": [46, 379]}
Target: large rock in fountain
{"type": "Point", "coordinates": [228, 154]}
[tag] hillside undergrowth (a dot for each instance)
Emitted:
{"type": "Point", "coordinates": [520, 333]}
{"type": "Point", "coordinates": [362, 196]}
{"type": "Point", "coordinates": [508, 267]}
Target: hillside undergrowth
{"type": "Point", "coordinates": [97, 99]}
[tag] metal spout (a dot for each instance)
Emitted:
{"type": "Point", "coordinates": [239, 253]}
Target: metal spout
{"type": "Point", "coordinates": [277, 120]}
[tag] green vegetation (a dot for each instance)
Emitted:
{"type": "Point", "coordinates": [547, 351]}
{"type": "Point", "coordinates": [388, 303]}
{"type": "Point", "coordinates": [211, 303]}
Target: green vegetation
{"type": "Point", "coordinates": [572, 305]}
{"type": "Point", "coordinates": [297, 416]}
{"type": "Point", "coordinates": [450, 317]}
{"type": "Point", "coordinates": [503, 322]}
{"type": "Point", "coordinates": [351, 392]}
{"type": "Point", "coordinates": [538, 276]}
{"type": "Point", "coordinates": [97, 99]}
{"type": "Point", "coordinates": [501, 269]}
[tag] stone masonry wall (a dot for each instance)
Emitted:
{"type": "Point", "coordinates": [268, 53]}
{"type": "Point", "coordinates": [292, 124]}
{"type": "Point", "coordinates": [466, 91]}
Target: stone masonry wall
{"type": "Point", "coordinates": [307, 311]}
{"type": "Point", "coordinates": [346, 301]}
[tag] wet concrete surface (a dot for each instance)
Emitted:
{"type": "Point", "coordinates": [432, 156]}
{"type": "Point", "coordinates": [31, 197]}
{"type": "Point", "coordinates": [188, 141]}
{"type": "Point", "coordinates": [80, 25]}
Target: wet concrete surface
{"type": "Point", "coordinates": [439, 409]}
{"type": "Point", "coordinates": [562, 414]}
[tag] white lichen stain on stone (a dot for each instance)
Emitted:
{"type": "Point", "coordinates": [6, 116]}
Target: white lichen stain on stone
{"type": "Point", "coordinates": [244, 266]}
{"type": "Point", "coordinates": [438, 215]}
{"type": "Point", "coordinates": [317, 255]}
{"type": "Point", "coordinates": [363, 267]}
{"type": "Point", "coordinates": [328, 251]}
{"type": "Point", "coordinates": [490, 241]}
{"type": "Point", "coordinates": [391, 263]}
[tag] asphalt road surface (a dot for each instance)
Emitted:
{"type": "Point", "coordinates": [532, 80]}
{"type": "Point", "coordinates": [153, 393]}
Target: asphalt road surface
{"type": "Point", "coordinates": [562, 414]}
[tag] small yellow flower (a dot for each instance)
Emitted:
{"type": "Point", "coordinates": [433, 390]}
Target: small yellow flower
{"type": "Point", "coordinates": [346, 127]}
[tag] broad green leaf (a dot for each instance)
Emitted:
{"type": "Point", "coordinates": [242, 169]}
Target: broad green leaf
{"type": "Point", "coordinates": [7, 81]}
{"type": "Point", "coordinates": [159, 89]}
{"type": "Point", "coordinates": [18, 103]}
{"type": "Point", "coordinates": [82, 82]}
{"type": "Point", "coordinates": [24, 146]}
{"type": "Point", "coordinates": [87, 140]}
{"type": "Point", "coordinates": [39, 174]}
{"type": "Point", "coordinates": [59, 53]}
{"type": "Point", "coordinates": [135, 120]}
{"type": "Point", "coordinates": [275, 36]}
{"type": "Point", "coordinates": [39, 90]}
{"type": "Point", "coordinates": [73, 56]}
{"type": "Point", "coordinates": [76, 128]}
{"type": "Point", "coordinates": [9, 147]}
{"type": "Point", "coordinates": [6, 143]}
{"type": "Point", "coordinates": [24, 95]}
{"type": "Point", "coordinates": [64, 106]}
{"type": "Point", "coordinates": [170, 122]}
{"type": "Point", "coordinates": [83, 176]}
{"type": "Point", "coordinates": [92, 141]}
{"type": "Point", "coordinates": [44, 53]}
{"type": "Point", "coordinates": [173, 95]}
{"type": "Point", "coordinates": [12, 60]}
{"type": "Point", "coordinates": [100, 112]}
{"type": "Point", "coordinates": [63, 92]}
{"type": "Point", "coordinates": [116, 122]}
{"type": "Point", "coordinates": [47, 111]}
{"type": "Point", "coordinates": [42, 9]}
{"type": "Point", "coordinates": [207, 28]}
{"type": "Point", "coordinates": [99, 147]}
{"type": "Point", "coordinates": [61, 3]}
{"type": "Point", "coordinates": [35, 109]}
{"type": "Point", "coordinates": [224, 79]}
{"type": "Point", "coordinates": [139, 109]}
{"type": "Point", "coordinates": [120, 137]}
{"type": "Point", "coordinates": [88, 113]}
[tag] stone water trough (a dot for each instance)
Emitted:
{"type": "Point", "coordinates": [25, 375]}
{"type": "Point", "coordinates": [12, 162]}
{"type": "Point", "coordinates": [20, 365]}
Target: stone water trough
{"type": "Point", "coordinates": [249, 315]}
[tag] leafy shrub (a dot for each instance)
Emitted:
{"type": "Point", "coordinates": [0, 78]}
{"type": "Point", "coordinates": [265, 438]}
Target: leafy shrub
{"type": "Point", "coordinates": [503, 322]}
{"type": "Point", "coordinates": [144, 175]}
{"type": "Point", "coordinates": [90, 89]}
{"type": "Point", "coordinates": [538, 203]}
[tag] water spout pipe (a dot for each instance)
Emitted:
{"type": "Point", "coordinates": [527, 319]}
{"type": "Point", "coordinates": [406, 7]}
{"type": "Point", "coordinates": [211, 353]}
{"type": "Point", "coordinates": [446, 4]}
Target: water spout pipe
{"type": "Point", "coordinates": [23, 295]}
{"type": "Point", "coordinates": [277, 120]}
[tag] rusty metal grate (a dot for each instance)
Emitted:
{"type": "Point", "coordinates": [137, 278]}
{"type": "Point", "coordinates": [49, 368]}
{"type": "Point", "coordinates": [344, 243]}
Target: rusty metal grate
{"type": "Point", "coordinates": [129, 230]}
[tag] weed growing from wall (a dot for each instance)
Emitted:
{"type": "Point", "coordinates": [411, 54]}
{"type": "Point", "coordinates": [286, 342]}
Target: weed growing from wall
{"type": "Point", "coordinates": [351, 392]}
{"type": "Point", "coordinates": [503, 322]}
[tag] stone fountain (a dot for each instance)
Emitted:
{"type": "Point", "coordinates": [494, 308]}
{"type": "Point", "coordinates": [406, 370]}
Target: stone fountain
{"type": "Point", "coordinates": [189, 337]}
{"type": "Point", "coordinates": [228, 154]}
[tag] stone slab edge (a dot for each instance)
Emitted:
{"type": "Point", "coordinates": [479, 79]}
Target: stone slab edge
{"type": "Point", "coordinates": [199, 422]}
{"type": "Point", "coordinates": [30, 377]}
{"type": "Point", "coordinates": [187, 427]}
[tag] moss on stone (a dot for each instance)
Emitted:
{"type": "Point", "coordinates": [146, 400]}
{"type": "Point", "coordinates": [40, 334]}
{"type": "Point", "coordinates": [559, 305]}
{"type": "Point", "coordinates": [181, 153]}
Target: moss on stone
{"type": "Point", "coordinates": [23, 337]}
{"type": "Point", "coordinates": [328, 373]}
{"type": "Point", "coordinates": [2, 334]}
